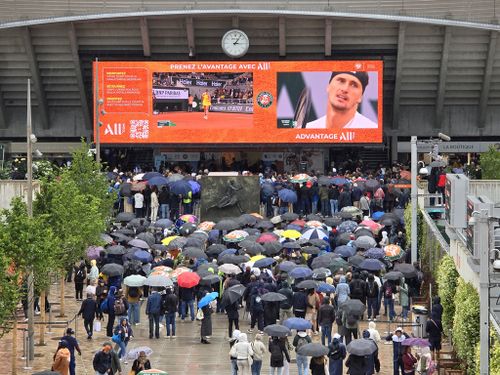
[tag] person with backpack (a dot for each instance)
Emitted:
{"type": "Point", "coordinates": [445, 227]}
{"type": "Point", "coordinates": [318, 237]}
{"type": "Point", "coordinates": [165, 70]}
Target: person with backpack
{"type": "Point", "coordinates": [61, 359]}
{"type": "Point", "coordinates": [134, 295]}
{"type": "Point", "coordinates": [80, 277]}
{"type": "Point", "coordinates": [169, 302]}
{"type": "Point", "coordinates": [72, 345]}
{"type": "Point", "coordinates": [122, 335]}
{"type": "Point", "coordinates": [299, 304]}
{"type": "Point", "coordinates": [88, 310]}
{"type": "Point", "coordinates": [358, 288]}
{"type": "Point", "coordinates": [317, 365]}
{"type": "Point", "coordinates": [121, 305]}
{"type": "Point", "coordinates": [372, 292]}
{"type": "Point", "coordinates": [350, 322]}
{"type": "Point", "coordinates": [286, 305]}
{"type": "Point", "coordinates": [336, 355]}
{"type": "Point", "coordinates": [153, 309]}
{"type": "Point", "coordinates": [300, 339]}
{"type": "Point", "coordinates": [257, 312]}
{"type": "Point", "coordinates": [424, 362]}
{"type": "Point", "coordinates": [389, 289]}
{"type": "Point", "coordinates": [279, 353]}
{"type": "Point", "coordinates": [434, 330]}
{"type": "Point", "coordinates": [326, 317]}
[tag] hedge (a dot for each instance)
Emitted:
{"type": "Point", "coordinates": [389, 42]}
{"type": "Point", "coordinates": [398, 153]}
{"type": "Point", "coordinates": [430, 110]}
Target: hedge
{"type": "Point", "coordinates": [447, 280]}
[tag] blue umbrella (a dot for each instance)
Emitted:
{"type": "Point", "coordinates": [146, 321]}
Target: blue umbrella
{"type": "Point", "coordinates": [287, 266]}
{"type": "Point", "coordinates": [299, 324]}
{"type": "Point", "coordinates": [163, 223]}
{"type": "Point", "coordinates": [300, 272]}
{"type": "Point", "coordinates": [181, 187]}
{"type": "Point", "coordinates": [226, 252]}
{"type": "Point", "coordinates": [371, 265]}
{"type": "Point", "coordinates": [347, 226]}
{"type": "Point", "coordinates": [205, 301]}
{"type": "Point", "coordinates": [267, 190]}
{"type": "Point", "coordinates": [339, 181]}
{"type": "Point", "coordinates": [157, 181]}
{"type": "Point", "coordinates": [195, 186]}
{"type": "Point", "coordinates": [294, 227]}
{"type": "Point", "coordinates": [375, 253]}
{"type": "Point", "coordinates": [345, 251]}
{"type": "Point", "coordinates": [150, 175]}
{"type": "Point", "coordinates": [326, 288]}
{"type": "Point", "coordinates": [287, 195]}
{"type": "Point", "coordinates": [265, 262]}
{"type": "Point", "coordinates": [143, 256]}
{"type": "Point", "coordinates": [377, 215]}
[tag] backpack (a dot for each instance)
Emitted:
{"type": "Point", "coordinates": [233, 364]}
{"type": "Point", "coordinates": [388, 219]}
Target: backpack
{"type": "Point", "coordinates": [338, 318]}
{"type": "Point", "coordinates": [351, 321]}
{"type": "Point", "coordinates": [119, 307]}
{"type": "Point", "coordinates": [388, 291]}
{"type": "Point", "coordinates": [358, 289]}
{"type": "Point", "coordinates": [335, 353]}
{"type": "Point", "coordinates": [80, 276]}
{"type": "Point", "coordinates": [257, 303]}
{"type": "Point", "coordinates": [301, 341]}
{"type": "Point", "coordinates": [133, 292]}
{"type": "Point", "coordinates": [371, 290]}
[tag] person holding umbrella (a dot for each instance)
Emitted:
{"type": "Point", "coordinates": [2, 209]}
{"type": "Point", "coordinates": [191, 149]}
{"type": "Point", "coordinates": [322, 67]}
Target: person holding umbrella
{"type": "Point", "coordinates": [356, 365]}
{"type": "Point", "coordinates": [141, 363]}
{"type": "Point", "coordinates": [206, 323]}
{"type": "Point", "coordinates": [279, 353]}
{"type": "Point", "coordinates": [300, 339]}
{"type": "Point", "coordinates": [336, 355]}
{"type": "Point", "coordinates": [286, 305]}
{"type": "Point", "coordinates": [409, 361]}
{"type": "Point", "coordinates": [232, 317]}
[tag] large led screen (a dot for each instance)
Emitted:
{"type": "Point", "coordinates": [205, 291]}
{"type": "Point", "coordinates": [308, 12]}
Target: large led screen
{"type": "Point", "coordinates": [240, 102]}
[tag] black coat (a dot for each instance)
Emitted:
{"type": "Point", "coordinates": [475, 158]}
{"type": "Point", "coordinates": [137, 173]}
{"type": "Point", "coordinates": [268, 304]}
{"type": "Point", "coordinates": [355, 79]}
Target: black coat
{"type": "Point", "coordinates": [278, 352]}
{"type": "Point", "coordinates": [288, 293]}
{"type": "Point", "coordinates": [102, 362]}
{"type": "Point", "coordinates": [434, 328]}
{"type": "Point", "coordinates": [88, 309]}
{"type": "Point", "coordinates": [357, 365]}
{"type": "Point", "coordinates": [206, 323]}
{"type": "Point", "coordinates": [232, 311]}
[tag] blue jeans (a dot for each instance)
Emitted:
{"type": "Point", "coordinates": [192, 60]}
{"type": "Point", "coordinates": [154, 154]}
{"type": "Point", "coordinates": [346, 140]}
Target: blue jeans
{"type": "Point", "coordinates": [372, 307]}
{"type": "Point", "coordinates": [234, 367]}
{"type": "Point", "coordinates": [275, 370]}
{"type": "Point", "coordinates": [282, 210]}
{"type": "Point", "coordinates": [154, 325]}
{"type": "Point", "coordinates": [302, 364]}
{"type": "Point", "coordinates": [315, 206]}
{"type": "Point", "coordinates": [165, 211]}
{"type": "Point", "coordinates": [123, 348]}
{"type": "Point", "coordinates": [184, 305]}
{"type": "Point", "coordinates": [134, 311]}
{"type": "Point", "coordinates": [325, 209]}
{"type": "Point", "coordinates": [170, 322]}
{"type": "Point", "coordinates": [405, 311]}
{"type": "Point", "coordinates": [326, 331]}
{"type": "Point", "coordinates": [334, 206]}
{"type": "Point", "coordinates": [389, 304]}
{"type": "Point", "coordinates": [256, 367]}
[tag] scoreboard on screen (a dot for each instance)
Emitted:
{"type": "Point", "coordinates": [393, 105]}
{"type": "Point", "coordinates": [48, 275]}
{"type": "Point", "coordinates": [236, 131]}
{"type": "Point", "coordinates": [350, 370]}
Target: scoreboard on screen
{"type": "Point", "coordinates": [240, 102]}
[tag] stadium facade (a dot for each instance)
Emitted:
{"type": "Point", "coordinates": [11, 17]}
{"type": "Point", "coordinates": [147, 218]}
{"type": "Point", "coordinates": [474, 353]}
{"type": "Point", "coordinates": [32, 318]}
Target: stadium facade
{"type": "Point", "coordinates": [441, 60]}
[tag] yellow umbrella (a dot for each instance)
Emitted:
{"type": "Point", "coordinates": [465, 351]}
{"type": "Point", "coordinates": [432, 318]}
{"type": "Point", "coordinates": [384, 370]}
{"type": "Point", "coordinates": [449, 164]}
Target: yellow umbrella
{"type": "Point", "coordinates": [169, 239]}
{"type": "Point", "coordinates": [291, 233]}
{"type": "Point", "coordinates": [256, 258]}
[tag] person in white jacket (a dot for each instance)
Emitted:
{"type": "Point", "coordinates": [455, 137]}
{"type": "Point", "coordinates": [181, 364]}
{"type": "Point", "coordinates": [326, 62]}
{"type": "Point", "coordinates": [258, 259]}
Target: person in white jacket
{"type": "Point", "coordinates": [155, 204]}
{"type": "Point", "coordinates": [259, 349]}
{"type": "Point", "coordinates": [243, 352]}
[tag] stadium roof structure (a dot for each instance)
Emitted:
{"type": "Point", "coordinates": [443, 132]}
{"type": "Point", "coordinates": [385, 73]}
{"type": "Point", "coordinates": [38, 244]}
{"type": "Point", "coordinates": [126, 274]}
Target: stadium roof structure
{"type": "Point", "coordinates": [441, 57]}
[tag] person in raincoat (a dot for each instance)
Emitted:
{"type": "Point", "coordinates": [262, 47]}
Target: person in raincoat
{"type": "Point", "coordinates": [243, 353]}
{"type": "Point", "coordinates": [61, 358]}
{"type": "Point", "coordinates": [336, 355]}
{"type": "Point", "coordinates": [343, 291]}
{"type": "Point", "coordinates": [107, 306]}
{"type": "Point", "coordinates": [404, 299]}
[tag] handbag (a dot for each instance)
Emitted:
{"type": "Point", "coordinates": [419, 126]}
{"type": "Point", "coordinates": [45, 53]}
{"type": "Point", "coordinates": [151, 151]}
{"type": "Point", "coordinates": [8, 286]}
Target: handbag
{"type": "Point", "coordinates": [200, 315]}
{"type": "Point", "coordinates": [97, 326]}
{"type": "Point", "coordinates": [117, 338]}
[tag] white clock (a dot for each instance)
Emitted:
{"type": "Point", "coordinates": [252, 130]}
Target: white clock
{"type": "Point", "coordinates": [235, 43]}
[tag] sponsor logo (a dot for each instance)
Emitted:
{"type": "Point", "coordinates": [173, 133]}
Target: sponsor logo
{"type": "Point", "coordinates": [265, 99]}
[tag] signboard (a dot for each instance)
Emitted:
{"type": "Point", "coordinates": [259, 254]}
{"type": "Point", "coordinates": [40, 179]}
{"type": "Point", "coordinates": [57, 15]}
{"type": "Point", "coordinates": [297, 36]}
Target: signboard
{"type": "Point", "coordinates": [241, 102]}
{"type": "Point", "coordinates": [450, 147]}
{"type": "Point", "coordinates": [455, 190]}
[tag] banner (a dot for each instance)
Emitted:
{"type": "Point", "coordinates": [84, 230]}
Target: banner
{"type": "Point", "coordinates": [308, 102]}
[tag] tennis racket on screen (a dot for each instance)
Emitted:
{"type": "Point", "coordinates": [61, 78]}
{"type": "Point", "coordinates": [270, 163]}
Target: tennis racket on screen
{"type": "Point", "coordinates": [302, 109]}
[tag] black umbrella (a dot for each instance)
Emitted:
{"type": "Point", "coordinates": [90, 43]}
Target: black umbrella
{"type": "Point", "coordinates": [177, 243]}
{"type": "Point", "coordinates": [372, 185]}
{"type": "Point", "coordinates": [388, 221]}
{"type": "Point", "coordinates": [318, 242]}
{"type": "Point", "coordinates": [148, 237]}
{"type": "Point", "coordinates": [120, 237]}
{"type": "Point", "coordinates": [137, 222]}
{"type": "Point", "coordinates": [252, 247]}
{"type": "Point", "coordinates": [126, 189]}
{"type": "Point", "coordinates": [112, 269]}
{"type": "Point", "coordinates": [353, 306]}
{"type": "Point", "coordinates": [313, 349]}
{"type": "Point", "coordinates": [264, 224]}
{"type": "Point", "coordinates": [216, 249]}
{"type": "Point", "coordinates": [273, 247]}
{"type": "Point", "coordinates": [193, 252]}
{"type": "Point", "coordinates": [362, 347]}
{"type": "Point", "coordinates": [212, 268]}
{"type": "Point", "coordinates": [356, 260]}
{"type": "Point", "coordinates": [252, 232]}
{"type": "Point", "coordinates": [233, 259]}
{"type": "Point", "coordinates": [289, 216]}
{"type": "Point", "coordinates": [247, 219]}
{"type": "Point", "coordinates": [138, 243]}
{"type": "Point", "coordinates": [159, 247]}
{"type": "Point", "coordinates": [307, 284]}
{"type": "Point", "coordinates": [277, 330]}
{"type": "Point", "coordinates": [187, 229]}
{"type": "Point", "coordinates": [321, 273]}
{"type": "Point", "coordinates": [333, 221]}
{"type": "Point", "coordinates": [408, 270]}
{"type": "Point", "coordinates": [232, 294]}
{"type": "Point", "coordinates": [125, 216]}
{"type": "Point", "coordinates": [313, 250]}
{"type": "Point", "coordinates": [346, 215]}
{"type": "Point", "coordinates": [209, 279]}
{"type": "Point", "coordinates": [314, 217]}
{"type": "Point", "coordinates": [291, 245]}
{"type": "Point", "coordinates": [106, 238]}
{"type": "Point", "coordinates": [393, 275]}
{"type": "Point", "coordinates": [273, 297]}
{"type": "Point", "coordinates": [227, 224]}
{"type": "Point", "coordinates": [195, 242]}
{"type": "Point", "coordinates": [163, 223]}
{"type": "Point", "coordinates": [363, 231]}
{"type": "Point", "coordinates": [116, 250]}
{"type": "Point", "coordinates": [126, 231]}
{"type": "Point", "coordinates": [372, 265]}
{"type": "Point", "coordinates": [344, 238]}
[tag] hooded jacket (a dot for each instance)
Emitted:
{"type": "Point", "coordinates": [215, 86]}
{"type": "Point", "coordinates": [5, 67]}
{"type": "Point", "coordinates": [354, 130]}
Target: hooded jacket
{"type": "Point", "coordinates": [61, 362]}
{"type": "Point", "coordinates": [242, 349]}
{"type": "Point", "coordinates": [343, 290]}
{"type": "Point", "coordinates": [258, 348]}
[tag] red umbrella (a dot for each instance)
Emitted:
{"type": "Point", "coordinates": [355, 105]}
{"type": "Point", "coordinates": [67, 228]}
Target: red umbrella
{"type": "Point", "coordinates": [188, 279]}
{"type": "Point", "coordinates": [267, 237]}
{"type": "Point", "coordinates": [299, 222]}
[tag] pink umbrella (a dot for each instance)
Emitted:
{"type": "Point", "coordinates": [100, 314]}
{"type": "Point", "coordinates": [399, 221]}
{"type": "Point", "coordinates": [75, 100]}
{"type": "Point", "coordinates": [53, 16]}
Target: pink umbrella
{"type": "Point", "coordinates": [374, 227]}
{"type": "Point", "coordinates": [267, 237]}
{"type": "Point", "coordinates": [93, 252]}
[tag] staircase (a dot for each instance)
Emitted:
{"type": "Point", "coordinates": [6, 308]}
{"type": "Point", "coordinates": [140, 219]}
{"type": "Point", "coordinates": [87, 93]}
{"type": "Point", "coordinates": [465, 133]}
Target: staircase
{"type": "Point", "coordinates": [373, 157]}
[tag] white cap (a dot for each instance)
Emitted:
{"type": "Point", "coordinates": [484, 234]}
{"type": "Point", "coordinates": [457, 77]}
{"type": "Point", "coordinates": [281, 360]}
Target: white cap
{"type": "Point", "coordinates": [302, 334]}
{"type": "Point", "coordinates": [399, 329]}
{"type": "Point", "coordinates": [337, 336]}
{"type": "Point", "coordinates": [334, 170]}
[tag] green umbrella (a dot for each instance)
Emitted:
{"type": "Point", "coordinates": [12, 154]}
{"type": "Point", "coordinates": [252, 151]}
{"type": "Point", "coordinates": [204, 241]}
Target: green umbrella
{"type": "Point", "coordinates": [336, 264]}
{"type": "Point", "coordinates": [134, 280]}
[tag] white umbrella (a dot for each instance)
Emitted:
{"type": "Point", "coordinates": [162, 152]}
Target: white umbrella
{"type": "Point", "coordinates": [159, 281]}
{"type": "Point", "coordinates": [134, 280]}
{"type": "Point", "coordinates": [230, 269]}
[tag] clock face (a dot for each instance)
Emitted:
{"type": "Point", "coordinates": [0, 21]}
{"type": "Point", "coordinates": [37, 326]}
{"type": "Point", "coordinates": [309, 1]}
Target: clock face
{"type": "Point", "coordinates": [235, 43]}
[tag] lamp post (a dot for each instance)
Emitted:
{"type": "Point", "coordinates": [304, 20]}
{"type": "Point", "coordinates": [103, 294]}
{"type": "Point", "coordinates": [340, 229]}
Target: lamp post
{"type": "Point", "coordinates": [414, 198]}
{"type": "Point", "coordinates": [97, 104]}
{"type": "Point", "coordinates": [30, 138]}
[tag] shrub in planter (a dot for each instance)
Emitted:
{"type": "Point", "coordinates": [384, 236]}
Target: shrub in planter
{"type": "Point", "coordinates": [447, 280]}
{"type": "Point", "coordinates": [466, 324]}
{"type": "Point", "coordinates": [494, 354]}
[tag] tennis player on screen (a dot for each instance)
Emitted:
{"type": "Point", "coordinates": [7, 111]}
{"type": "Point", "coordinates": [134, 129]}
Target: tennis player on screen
{"type": "Point", "coordinates": [345, 93]}
{"type": "Point", "coordinates": [206, 103]}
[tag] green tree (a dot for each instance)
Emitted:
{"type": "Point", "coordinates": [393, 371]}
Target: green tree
{"type": "Point", "coordinates": [466, 324]}
{"type": "Point", "coordinates": [447, 280]}
{"type": "Point", "coordinates": [490, 164]}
